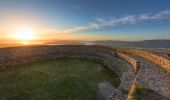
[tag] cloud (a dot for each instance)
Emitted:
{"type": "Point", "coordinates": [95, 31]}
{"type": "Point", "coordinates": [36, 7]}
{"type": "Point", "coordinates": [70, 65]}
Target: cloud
{"type": "Point", "coordinates": [126, 20]}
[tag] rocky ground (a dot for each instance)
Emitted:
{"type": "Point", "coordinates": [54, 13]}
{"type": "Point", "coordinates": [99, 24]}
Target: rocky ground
{"type": "Point", "coordinates": [105, 89]}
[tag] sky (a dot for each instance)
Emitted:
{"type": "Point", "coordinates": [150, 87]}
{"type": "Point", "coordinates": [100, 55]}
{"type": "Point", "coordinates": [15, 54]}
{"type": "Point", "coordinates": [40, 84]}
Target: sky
{"type": "Point", "coordinates": [128, 20]}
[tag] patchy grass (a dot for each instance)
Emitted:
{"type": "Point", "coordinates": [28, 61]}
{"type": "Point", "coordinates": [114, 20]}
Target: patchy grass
{"type": "Point", "coordinates": [61, 79]}
{"type": "Point", "coordinates": [141, 93]}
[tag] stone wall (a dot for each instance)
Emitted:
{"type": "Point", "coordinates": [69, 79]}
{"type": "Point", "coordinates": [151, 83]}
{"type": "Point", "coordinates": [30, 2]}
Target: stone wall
{"type": "Point", "coordinates": [20, 55]}
{"type": "Point", "coordinates": [151, 75]}
{"type": "Point", "coordinates": [132, 61]}
{"type": "Point", "coordinates": [121, 64]}
{"type": "Point", "coordinates": [161, 61]}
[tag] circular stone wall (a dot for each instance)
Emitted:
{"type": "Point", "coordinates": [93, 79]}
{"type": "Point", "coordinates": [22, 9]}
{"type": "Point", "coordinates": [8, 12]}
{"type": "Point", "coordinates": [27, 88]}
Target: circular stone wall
{"type": "Point", "coordinates": [105, 55]}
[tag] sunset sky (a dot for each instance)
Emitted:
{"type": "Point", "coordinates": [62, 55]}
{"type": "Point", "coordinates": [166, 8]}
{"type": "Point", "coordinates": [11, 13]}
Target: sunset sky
{"type": "Point", "coordinates": [85, 19]}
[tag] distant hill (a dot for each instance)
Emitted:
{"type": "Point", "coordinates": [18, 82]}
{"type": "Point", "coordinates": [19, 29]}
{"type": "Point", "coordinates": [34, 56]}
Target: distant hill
{"type": "Point", "coordinates": [63, 42]}
{"type": "Point", "coordinates": [124, 44]}
{"type": "Point", "coordinates": [138, 44]}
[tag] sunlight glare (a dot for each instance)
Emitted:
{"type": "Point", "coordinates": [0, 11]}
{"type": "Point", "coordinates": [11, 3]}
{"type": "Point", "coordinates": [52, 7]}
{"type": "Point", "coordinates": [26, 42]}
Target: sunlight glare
{"type": "Point", "coordinates": [25, 42]}
{"type": "Point", "coordinates": [25, 34]}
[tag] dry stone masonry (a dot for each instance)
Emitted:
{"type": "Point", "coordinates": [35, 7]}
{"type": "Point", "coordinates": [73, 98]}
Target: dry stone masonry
{"type": "Point", "coordinates": [154, 71]}
{"type": "Point", "coordinates": [116, 59]}
{"type": "Point", "coordinates": [161, 61]}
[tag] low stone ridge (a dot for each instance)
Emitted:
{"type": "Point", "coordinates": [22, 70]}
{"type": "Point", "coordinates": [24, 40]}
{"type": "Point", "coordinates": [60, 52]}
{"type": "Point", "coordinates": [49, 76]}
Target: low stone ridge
{"type": "Point", "coordinates": [161, 61]}
{"type": "Point", "coordinates": [132, 61]}
{"type": "Point", "coordinates": [160, 52]}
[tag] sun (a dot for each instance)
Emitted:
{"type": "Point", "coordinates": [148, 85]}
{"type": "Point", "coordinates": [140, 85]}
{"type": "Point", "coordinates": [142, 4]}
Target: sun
{"type": "Point", "coordinates": [25, 34]}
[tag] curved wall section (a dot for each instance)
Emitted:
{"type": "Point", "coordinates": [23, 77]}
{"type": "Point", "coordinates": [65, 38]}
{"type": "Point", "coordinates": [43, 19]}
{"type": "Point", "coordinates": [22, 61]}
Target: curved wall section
{"type": "Point", "coordinates": [105, 55]}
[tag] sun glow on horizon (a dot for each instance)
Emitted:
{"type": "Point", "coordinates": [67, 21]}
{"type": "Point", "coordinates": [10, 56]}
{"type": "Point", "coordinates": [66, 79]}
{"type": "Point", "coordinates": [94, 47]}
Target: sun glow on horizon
{"type": "Point", "coordinates": [25, 34]}
{"type": "Point", "coordinates": [25, 42]}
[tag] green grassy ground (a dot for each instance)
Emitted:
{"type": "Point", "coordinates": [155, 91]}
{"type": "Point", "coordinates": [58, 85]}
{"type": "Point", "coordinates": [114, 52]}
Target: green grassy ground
{"type": "Point", "coordinates": [141, 93]}
{"type": "Point", "coordinates": [61, 79]}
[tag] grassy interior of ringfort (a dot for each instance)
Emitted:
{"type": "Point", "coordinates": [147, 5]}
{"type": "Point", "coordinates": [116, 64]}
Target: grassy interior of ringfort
{"type": "Point", "coordinates": [64, 78]}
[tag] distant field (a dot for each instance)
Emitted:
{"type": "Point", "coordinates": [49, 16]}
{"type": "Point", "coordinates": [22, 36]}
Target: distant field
{"type": "Point", "coordinates": [61, 79]}
{"type": "Point", "coordinates": [3, 45]}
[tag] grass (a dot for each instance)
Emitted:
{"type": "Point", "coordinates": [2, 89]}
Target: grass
{"type": "Point", "coordinates": [141, 93]}
{"type": "Point", "coordinates": [61, 79]}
